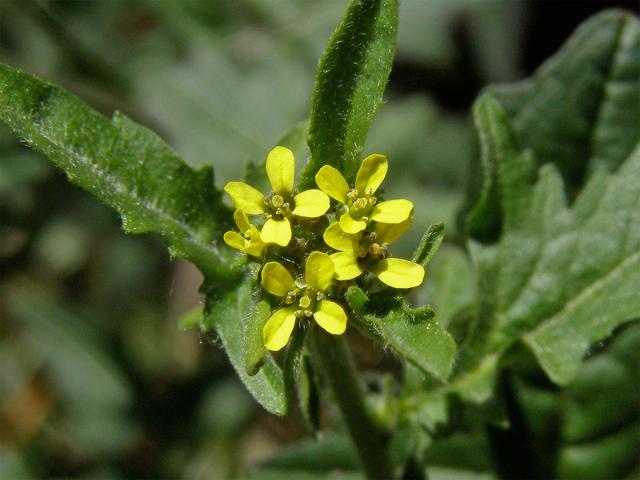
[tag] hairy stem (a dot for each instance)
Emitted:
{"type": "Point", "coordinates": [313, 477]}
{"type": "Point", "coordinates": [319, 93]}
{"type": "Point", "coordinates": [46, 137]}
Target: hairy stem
{"type": "Point", "coordinates": [371, 441]}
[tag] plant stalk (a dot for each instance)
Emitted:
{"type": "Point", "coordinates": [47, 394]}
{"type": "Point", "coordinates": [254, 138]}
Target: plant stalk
{"type": "Point", "coordinates": [370, 440]}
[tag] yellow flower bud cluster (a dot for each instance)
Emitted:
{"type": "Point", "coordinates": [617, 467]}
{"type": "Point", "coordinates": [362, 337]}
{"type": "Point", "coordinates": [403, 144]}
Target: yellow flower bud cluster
{"type": "Point", "coordinates": [336, 244]}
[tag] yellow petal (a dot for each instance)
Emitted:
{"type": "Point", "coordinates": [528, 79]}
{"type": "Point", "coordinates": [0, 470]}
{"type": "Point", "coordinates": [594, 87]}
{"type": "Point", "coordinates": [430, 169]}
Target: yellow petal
{"type": "Point", "coordinates": [392, 211]}
{"type": "Point", "coordinates": [242, 221]}
{"type": "Point", "coordinates": [276, 280]}
{"type": "Point", "coordinates": [318, 271]}
{"type": "Point", "coordinates": [331, 317]}
{"type": "Point", "coordinates": [281, 170]}
{"type": "Point", "coordinates": [254, 246]}
{"type": "Point", "coordinates": [399, 273]}
{"type": "Point", "coordinates": [245, 197]}
{"type": "Point", "coordinates": [349, 225]}
{"type": "Point", "coordinates": [234, 240]}
{"type": "Point", "coordinates": [276, 231]}
{"type": "Point", "coordinates": [346, 265]}
{"type": "Point", "coordinates": [389, 232]}
{"type": "Point", "coordinates": [277, 331]}
{"type": "Point", "coordinates": [331, 182]}
{"type": "Point", "coordinates": [311, 203]}
{"type": "Point", "coordinates": [338, 240]}
{"type": "Point", "coordinates": [371, 173]}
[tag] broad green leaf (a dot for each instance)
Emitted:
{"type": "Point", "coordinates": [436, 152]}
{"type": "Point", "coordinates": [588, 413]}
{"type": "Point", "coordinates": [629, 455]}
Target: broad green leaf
{"type": "Point", "coordinates": [125, 165]}
{"type": "Point", "coordinates": [350, 82]}
{"type": "Point", "coordinates": [560, 279]}
{"type": "Point", "coordinates": [576, 111]}
{"type": "Point", "coordinates": [414, 334]}
{"type": "Point", "coordinates": [228, 308]}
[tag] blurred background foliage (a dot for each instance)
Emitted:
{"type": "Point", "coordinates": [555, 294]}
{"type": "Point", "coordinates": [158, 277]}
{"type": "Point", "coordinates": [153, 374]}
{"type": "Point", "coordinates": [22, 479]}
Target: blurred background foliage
{"type": "Point", "coordinates": [96, 380]}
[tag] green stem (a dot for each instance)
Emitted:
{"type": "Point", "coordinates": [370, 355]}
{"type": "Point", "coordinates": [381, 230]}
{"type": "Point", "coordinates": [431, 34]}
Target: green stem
{"type": "Point", "coordinates": [371, 441]}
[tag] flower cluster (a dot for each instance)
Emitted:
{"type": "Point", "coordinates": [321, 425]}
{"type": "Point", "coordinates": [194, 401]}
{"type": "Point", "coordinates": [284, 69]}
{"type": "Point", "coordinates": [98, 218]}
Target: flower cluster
{"type": "Point", "coordinates": [347, 240]}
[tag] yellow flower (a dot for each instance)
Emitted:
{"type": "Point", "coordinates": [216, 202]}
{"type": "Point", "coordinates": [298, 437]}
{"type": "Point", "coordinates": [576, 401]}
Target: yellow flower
{"type": "Point", "coordinates": [361, 205]}
{"type": "Point", "coordinates": [248, 240]}
{"type": "Point", "coordinates": [281, 204]}
{"type": "Point", "coordinates": [304, 301]}
{"type": "Point", "coordinates": [358, 253]}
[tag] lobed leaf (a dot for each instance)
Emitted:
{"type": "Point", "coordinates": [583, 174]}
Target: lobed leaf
{"type": "Point", "coordinates": [350, 82]}
{"type": "Point", "coordinates": [125, 165]}
{"type": "Point", "coordinates": [560, 278]}
{"type": "Point", "coordinates": [575, 112]}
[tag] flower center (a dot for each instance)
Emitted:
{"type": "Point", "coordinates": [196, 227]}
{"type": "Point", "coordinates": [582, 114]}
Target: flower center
{"type": "Point", "coordinates": [371, 250]}
{"type": "Point", "coordinates": [304, 302]}
{"type": "Point", "coordinates": [277, 201]}
{"type": "Point", "coordinates": [277, 206]}
{"type": "Point", "coordinates": [307, 299]}
{"type": "Point", "coordinates": [360, 205]}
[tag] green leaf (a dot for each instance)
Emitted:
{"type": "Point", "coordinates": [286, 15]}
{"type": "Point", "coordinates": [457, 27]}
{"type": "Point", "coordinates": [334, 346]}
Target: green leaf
{"type": "Point", "coordinates": [253, 343]}
{"type": "Point", "coordinates": [560, 278]}
{"type": "Point", "coordinates": [125, 165]}
{"type": "Point", "coordinates": [228, 309]}
{"type": "Point", "coordinates": [350, 82]}
{"type": "Point", "coordinates": [414, 334]}
{"type": "Point", "coordinates": [429, 245]}
{"type": "Point", "coordinates": [574, 112]}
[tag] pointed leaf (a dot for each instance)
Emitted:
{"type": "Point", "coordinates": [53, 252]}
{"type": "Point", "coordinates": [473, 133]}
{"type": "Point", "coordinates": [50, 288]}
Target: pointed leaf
{"type": "Point", "coordinates": [350, 81]}
{"type": "Point", "coordinates": [125, 165]}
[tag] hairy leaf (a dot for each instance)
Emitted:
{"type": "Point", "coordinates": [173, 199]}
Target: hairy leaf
{"type": "Point", "coordinates": [429, 245]}
{"type": "Point", "coordinates": [579, 110]}
{"type": "Point", "coordinates": [561, 278]}
{"type": "Point", "coordinates": [125, 165]}
{"type": "Point", "coordinates": [350, 82]}
{"type": "Point", "coordinates": [414, 334]}
{"type": "Point", "coordinates": [228, 310]}
{"type": "Point", "coordinates": [576, 110]}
